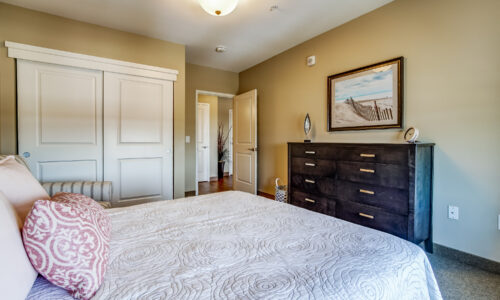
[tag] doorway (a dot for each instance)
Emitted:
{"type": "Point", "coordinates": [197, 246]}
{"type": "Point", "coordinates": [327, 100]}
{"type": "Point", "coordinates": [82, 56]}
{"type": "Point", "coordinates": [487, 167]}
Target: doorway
{"type": "Point", "coordinates": [213, 142]}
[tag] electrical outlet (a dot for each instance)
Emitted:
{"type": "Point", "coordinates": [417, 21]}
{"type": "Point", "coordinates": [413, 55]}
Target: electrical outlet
{"type": "Point", "coordinates": [453, 212]}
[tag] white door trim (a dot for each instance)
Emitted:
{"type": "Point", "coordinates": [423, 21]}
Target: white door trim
{"type": "Point", "coordinates": [230, 169]}
{"type": "Point", "coordinates": [47, 55]}
{"type": "Point", "coordinates": [208, 93]}
{"type": "Point", "coordinates": [206, 177]}
{"type": "Point", "coordinates": [202, 92]}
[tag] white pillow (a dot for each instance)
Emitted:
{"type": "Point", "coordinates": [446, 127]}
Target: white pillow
{"type": "Point", "coordinates": [17, 275]}
{"type": "Point", "coordinates": [19, 186]}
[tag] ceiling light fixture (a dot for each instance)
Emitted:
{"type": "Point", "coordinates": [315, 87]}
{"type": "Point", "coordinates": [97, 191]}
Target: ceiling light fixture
{"type": "Point", "coordinates": [218, 7]}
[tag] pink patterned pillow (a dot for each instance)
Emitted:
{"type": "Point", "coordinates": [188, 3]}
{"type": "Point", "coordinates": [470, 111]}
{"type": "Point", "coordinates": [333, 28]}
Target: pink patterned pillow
{"type": "Point", "coordinates": [78, 199]}
{"type": "Point", "coordinates": [68, 244]}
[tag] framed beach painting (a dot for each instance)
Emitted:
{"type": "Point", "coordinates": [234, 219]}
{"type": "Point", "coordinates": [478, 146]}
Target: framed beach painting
{"type": "Point", "coordinates": [367, 98]}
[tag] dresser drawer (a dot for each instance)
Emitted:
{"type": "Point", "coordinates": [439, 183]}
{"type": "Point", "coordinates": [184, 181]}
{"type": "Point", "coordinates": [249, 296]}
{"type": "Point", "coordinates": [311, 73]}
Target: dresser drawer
{"type": "Point", "coordinates": [314, 151]}
{"type": "Point", "coordinates": [315, 167]}
{"type": "Point", "coordinates": [307, 201]}
{"type": "Point", "coordinates": [387, 175]}
{"type": "Point", "coordinates": [373, 217]}
{"type": "Point", "coordinates": [390, 199]}
{"type": "Point", "coordinates": [314, 184]}
{"type": "Point", "coordinates": [387, 155]}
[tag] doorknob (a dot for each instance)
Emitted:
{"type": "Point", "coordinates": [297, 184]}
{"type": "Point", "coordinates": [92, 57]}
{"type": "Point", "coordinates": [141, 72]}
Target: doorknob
{"type": "Point", "coordinates": [253, 149]}
{"type": "Point", "coordinates": [204, 147]}
{"type": "Point", "coordinates": [26, 154]}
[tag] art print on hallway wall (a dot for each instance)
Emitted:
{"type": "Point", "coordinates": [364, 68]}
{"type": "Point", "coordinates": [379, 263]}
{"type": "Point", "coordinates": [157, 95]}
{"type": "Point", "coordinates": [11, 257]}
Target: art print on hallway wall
{"type": "Point", "coordinates": [370, 97]}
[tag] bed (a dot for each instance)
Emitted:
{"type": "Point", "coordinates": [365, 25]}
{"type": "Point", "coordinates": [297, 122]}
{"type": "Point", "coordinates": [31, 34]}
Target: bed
{"type": "Point", "coordinates": [234, 245]}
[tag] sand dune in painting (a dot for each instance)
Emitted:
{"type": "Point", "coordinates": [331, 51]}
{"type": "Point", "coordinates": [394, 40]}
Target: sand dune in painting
{"type": "Point", "coordinates": [345, 113]}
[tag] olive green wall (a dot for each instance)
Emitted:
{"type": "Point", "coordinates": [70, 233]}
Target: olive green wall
{"type": "Point", "coordinates": [39, 29]}
{"type": "Point", "coordinates": [452, 93]}
{"type": "Point", "coordinates": [205, 79]}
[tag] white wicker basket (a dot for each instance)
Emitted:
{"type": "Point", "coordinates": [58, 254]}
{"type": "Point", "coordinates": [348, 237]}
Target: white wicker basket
{"type": "Point", "coordinates": [281, 192]}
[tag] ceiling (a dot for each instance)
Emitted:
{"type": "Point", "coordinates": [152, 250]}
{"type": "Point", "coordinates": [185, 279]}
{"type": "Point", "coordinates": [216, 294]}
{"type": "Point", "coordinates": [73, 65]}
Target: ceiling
{"type": "Point", "coordinates": [252, 33]}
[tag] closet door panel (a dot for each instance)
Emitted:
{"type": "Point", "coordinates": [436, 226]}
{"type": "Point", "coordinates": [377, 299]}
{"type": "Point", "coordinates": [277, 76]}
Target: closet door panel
{"type": "Point", "coordinates": [67, 108]}
{"type": "Point", "coordinates": [138, 137]}
{"type": "Point", "coordinates": [76, 170]}
{"type": "Point", "coordinates": [141, 112]}
{"type": "Point", "coordinates": [141, 177]}
{"type": "Point", "coordinates": [60, 121]}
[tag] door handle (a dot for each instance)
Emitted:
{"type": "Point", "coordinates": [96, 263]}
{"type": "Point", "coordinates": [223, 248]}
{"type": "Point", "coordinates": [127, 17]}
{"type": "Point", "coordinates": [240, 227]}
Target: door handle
{"type": "Point", "coordinates": [204, 147]}
{"type": "Point", "coordinates": [252, 149]}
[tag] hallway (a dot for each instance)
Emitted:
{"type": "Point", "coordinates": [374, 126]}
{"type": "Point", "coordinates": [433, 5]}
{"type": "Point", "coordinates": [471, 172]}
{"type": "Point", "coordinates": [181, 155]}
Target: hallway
{"type": "Point", "coordinates": [209, 187]}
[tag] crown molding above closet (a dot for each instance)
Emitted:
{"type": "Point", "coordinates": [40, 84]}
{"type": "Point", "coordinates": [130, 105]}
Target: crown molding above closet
{"type": "Point", "coordinates": [46, 55]}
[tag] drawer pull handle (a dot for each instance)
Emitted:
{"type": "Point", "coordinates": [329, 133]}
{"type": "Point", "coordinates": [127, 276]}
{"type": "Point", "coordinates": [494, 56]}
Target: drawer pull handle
{"type": "Point", "coordinates": [366, 216]}
{"type": "Point", "coordinates": [310, 200]}
{"type": "Point", "coordinates": [310, 152]}
{"type": "Point", "coordinates": [367, 170]}
{"type": "Point", "coordinates": [367, 192]}
{"type": "Point", "coordinates": [310, 164]}
{"type": "Point", "coordinates": [367, 155]}
{"type": "Point", "coordinates": [310, 181]}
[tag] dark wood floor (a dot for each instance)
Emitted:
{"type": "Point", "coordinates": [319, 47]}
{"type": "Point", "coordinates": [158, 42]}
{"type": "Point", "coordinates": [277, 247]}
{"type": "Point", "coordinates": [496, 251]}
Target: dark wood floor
{"type": "Point", "coordinates": [221, 185]}
{"type": "Point", "coordinates": [209, 187]}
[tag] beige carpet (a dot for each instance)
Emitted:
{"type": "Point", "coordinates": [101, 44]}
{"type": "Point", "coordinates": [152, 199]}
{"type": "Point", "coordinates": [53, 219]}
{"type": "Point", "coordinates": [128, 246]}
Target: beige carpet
{"type": "Point", "coordinates": [461, 281]}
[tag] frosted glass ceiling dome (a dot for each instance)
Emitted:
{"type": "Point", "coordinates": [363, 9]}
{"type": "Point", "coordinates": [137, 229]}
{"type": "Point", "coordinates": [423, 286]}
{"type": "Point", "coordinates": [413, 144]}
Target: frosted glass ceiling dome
{"type": "Point", "coordinates": [218, 7]}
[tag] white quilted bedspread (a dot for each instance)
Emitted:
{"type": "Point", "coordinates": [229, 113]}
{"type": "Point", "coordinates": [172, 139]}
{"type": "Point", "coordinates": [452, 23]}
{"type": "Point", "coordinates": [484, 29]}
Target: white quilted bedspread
{"type": "Point", "coordinates": [234, 245]}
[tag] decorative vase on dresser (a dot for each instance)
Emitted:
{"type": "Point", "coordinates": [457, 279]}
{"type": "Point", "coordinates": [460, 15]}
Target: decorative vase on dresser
{"type": "Point", "coordinates": [383, 186]}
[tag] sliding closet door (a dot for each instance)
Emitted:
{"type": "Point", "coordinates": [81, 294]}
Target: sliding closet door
{"type": "Point", "coordinates": [138, 137]}
{"type": "Point", "coordinates": [60, 121]}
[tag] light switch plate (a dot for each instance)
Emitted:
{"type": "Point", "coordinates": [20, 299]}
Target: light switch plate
{"type": "Point", "coordinates": [188, 139]}
{"type": "Point", "coordinates": [453, 212]}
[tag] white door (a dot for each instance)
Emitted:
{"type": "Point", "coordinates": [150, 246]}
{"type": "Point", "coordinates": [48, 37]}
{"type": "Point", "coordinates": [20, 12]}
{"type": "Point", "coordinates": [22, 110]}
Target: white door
{"type": "Point", "coordinates": [138, 137]}
{"type": "Point", "coordinates": [245, 142]}
{"type": "Point", "coordinates": [230, 141]}
{"type": "Point", "coordinates": [60, 121]}
{"type": "Point", "coordinates": [203, 141]}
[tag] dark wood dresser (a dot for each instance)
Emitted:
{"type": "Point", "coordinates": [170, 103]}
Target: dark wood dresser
{"type": "Point", "coordinates": [383, 186]}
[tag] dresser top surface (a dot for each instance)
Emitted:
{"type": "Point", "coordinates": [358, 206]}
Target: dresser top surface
{"type": "Point", "coordinates": [363, 144]}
